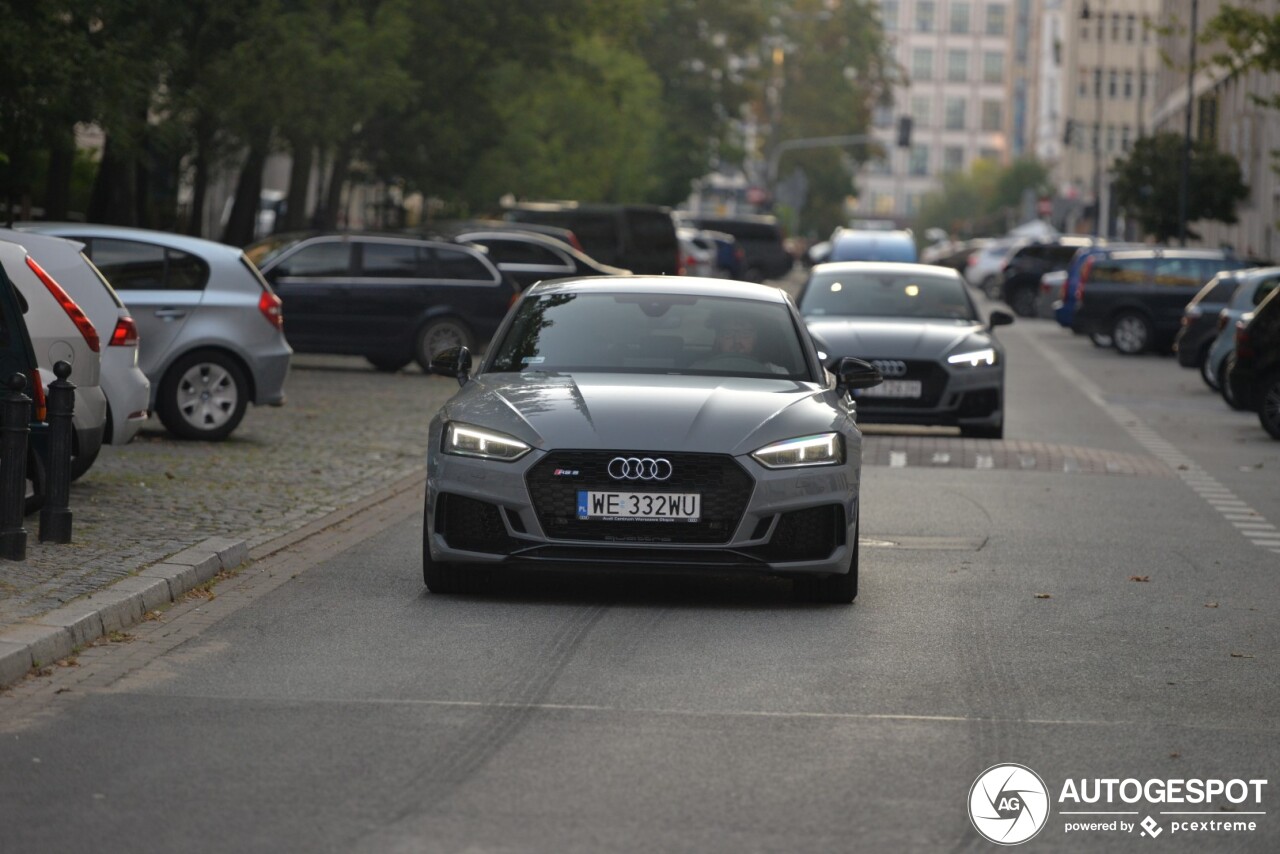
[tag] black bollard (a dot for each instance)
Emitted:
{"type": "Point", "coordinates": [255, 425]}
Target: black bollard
{"type": "Point", "coordinates": [15, 418]}
{"type": "Point", "coordinates": [55, 516]}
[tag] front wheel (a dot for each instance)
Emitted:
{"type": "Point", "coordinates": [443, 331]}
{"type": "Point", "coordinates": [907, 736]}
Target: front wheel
{"type": "Point", "coordinates": [1224, 387]}
{"type": "Point", "coordinates": [1269, 405]}
{"type": "Point", "coordinates": [1023, 302]}
{"type": "Point", "coordinates": [1131, 333]}
{"type": "Point", "coordinates": [440, 334]}
{"type": "Point", "coordinates": [203, 396]}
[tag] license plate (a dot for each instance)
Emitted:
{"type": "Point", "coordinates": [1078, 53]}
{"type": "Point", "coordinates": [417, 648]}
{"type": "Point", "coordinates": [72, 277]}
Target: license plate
{"type": "Point", "coordinates": [642, 506]}
{"type": "Point", "coordinates": [894, 388]}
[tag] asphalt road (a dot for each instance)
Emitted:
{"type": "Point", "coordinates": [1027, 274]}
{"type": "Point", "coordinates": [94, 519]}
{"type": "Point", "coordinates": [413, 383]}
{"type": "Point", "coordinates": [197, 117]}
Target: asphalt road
{"type": "Point", "coordinates": [325, 702]}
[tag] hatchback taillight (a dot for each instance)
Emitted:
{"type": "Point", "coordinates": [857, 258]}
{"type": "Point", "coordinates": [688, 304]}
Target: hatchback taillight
{"type": "Point", "coordinates": [1244, 348]}
{"type": "Point", "coordinates": [78, 317]}
{"type": "Point", "coordinates": [272, 309]}
{"type": "Point", "coordinates": [125, 334]}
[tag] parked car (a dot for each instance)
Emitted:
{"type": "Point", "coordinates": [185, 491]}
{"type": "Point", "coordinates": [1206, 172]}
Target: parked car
{"type": "Point", "coordinates": [698, 252]}
{"type": "Point", "coordinates": [627, 423]}
{"type": "Point", "coordinates": [760, 238]}
{"type": "Point", "coordinates": [528, 257]}
{"type": "Point", "coordinates": [1252, 288]}
{"type": "Point", "coordinates": [984, 266]}
{"type": "Point", "coordinates": [849, 244]}
{"type": "Point", "coordinates": [390, 298]}
{"type": "Point", "coordinates": [1254, 375]}
{"type": "Point", "coordinates": [1024, 268]}
{"type": "Point", "coordinates": [1200, 322]}
{"type": "Point", "coordinates": [918, 324]}
{"type": "Point", "coordinates": [127, 389]}
{"type": "Point", "coordinates": [1065, 312]}
{"type": "Point", "coordinates": [1050, 295]}
{"type": "Point", "coordinates": [17, 356]}
{"type": "Point", "coordinates": [210, 333]}
{"type": "Point", "coordinates": [641, 238]}
{"type": "Point", "coordinates": [1136, 296]}
{"type": "Point", "coordinates": [61, 331]}
{"type": "Point", "coordinates": [731, 261]}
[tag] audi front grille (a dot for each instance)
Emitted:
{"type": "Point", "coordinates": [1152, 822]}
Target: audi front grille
{"type": "Point", "coordinates": [554, 482]}
{"type": "Point", "coordinates": [932, 377]}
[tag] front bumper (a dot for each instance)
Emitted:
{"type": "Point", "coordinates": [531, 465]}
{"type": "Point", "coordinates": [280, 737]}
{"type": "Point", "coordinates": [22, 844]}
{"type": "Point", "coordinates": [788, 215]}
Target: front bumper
{"type": "Point", "coordinates": [482, 512]}
{"type": "Point", "coordinates": [951, 398]}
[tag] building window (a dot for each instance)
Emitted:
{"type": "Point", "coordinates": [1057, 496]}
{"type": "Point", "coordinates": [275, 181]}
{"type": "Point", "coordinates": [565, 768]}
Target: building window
{"type": "Point", "coordinates": [921, 111]}
{"type": "Point", "coordinates": [889, 15]}
{"type": "Point", "coordinates": [1097, 82]}
{"type": "Point", "coordinates": [992, 67]}
{"type": "Point", "coordinates": [925, 10]}
{"type": "Point", "coordinates": [1084, 29]}
{"type": "Point", "coordinates": [995, 19]}
{"type": "Point", "coordinates": [1115, 27]}
{"type": "Point", "coordinates": [1097, 138]}
{"type": "Point", "coordinates": [1113, 78]}
{"type": "Point", "coordinates": [1142, 85]}
{"type": "Point", "coordinates": [1130, 28]}
{"type": "Point", "coordinates": [992, 115]}
{"type": "Point", "coordinates": [959, 17]}
{"type": "Point", "coordinates": [1111, 138]}
{"type": "Point", "coordinates": [919, 162]}
{"type": "Point", "coordinates": [1084, 83]}
{"type": "Point", "coordinates": [1125, 142]}
{"type": "Point", "coordinates": [1128, 83]}
{"type": "Point", "coordinates": [952, 158]}
{"type": "Point", "coordinates": [955, 114]}
{"type": "Point", "coordinates": [922, 63]}
{"type": "Point", "coordinates": [957, 66]}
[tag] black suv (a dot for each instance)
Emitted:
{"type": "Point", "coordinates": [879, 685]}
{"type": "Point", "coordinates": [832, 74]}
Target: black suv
{"type": "Point", "coordinates": [1024, 269]}
{"type": "Point", "coordinates": [640, 238]}
{"type": "Point", "coordinates": [1254, 372]}
{"type": "Point", "coordinates": [759, 237]}
{"type": "Point", "coordinates": [1137, 296]}
{"type": "Point", "coordinates": [390, 298]}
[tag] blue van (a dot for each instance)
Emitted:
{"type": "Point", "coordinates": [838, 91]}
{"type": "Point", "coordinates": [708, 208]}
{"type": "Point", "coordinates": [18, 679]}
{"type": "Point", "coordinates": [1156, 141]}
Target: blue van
{"type": "Point", "coordinates": [849, 244]}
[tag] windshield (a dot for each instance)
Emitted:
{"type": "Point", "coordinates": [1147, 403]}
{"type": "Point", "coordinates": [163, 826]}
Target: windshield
{"type": "Point", "coordinates": [886, 294]}
{"type": "Point", "coordinates": [652, 334]}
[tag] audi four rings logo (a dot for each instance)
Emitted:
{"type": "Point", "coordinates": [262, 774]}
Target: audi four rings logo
{"type": "Point", "coordinates": [639, 468]}
{"type": "Point", "coordinates": [891, 367]}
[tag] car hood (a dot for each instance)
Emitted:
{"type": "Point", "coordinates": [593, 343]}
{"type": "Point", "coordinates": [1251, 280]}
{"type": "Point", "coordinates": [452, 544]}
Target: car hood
{"type": "Point", "coordinates": [644, 412]}
{"type": "Point", "coordinates": [883, 338]}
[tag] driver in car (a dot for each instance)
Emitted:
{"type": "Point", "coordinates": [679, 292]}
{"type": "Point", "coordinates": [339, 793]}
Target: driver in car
{"type": "Point", "coordinates": [737, 337]}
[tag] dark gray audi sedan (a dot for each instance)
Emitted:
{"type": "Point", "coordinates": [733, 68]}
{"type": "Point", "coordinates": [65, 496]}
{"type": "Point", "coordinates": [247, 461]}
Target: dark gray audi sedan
{"type": "Point", "coordinates": [647, 423]}
{"type": "Point", "coordinates": [918, 325]}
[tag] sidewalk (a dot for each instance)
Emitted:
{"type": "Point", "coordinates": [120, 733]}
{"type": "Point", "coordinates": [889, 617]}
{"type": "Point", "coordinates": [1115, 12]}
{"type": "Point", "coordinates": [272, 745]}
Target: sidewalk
{"type": "Point", "coordinates": [346, 433]}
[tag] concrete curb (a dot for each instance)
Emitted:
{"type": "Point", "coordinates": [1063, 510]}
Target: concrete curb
{"type": "Point", "coordinates": [56, 634]}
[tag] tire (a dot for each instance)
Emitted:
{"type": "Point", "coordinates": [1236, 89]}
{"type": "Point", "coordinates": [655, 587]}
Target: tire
{"type": "Point", "coordinates": [1100, 340]}
{"type": "Point", "coordinates": [440, 334]}
{"type": "Point", "coordinates": [388, 365]}
{"type": "Point", "coordinates": [1130, 333]}
{"type": "Point", "coordinates": [991, 287]}
{"type": "Point", "coordinates": [1269, 405]}
{"type": "Point", "coordinates": [203, 396]}
{"type": "Point", "coordinates": [983, 431]}
{"type": "Point", "coordinates": [1023, 302]}
{"type": "Point", "coordinates": [836, 588]}
{"type": "Point", "coordinates": [1224, 387]}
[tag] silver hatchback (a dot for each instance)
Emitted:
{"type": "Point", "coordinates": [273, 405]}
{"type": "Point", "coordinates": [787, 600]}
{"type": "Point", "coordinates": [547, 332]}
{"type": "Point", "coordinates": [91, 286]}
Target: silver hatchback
{"type": "Point", "coordinates": [210, 331]}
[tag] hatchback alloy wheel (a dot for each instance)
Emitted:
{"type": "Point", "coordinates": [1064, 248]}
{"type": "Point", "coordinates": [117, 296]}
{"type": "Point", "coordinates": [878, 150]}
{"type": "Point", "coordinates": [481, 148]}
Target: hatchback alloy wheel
{"type": "Point", "coordinates": [441, 334]}
{"type": "Point", "coordinates": [203, 396]}
{"type": "Point", "coordinates": [1130, 334]}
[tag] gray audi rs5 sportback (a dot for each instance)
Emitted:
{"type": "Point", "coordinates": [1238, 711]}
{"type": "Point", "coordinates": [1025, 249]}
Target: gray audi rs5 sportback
{"type": "Point", "coordinates": [676, 424]}
{"type": "Point", "coordinates": [918, 325]}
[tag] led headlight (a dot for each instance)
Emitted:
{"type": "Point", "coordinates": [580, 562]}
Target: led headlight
{"type": "Point", "coordinates": [467, 441]}
{"type": "Point", "coordinates": [973, 358]}
{"type": "Point", "coordinates": [821, 450]}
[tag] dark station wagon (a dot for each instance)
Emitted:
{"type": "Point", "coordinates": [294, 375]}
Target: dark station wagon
{"type": "Point", "coordinates": [391, 299]}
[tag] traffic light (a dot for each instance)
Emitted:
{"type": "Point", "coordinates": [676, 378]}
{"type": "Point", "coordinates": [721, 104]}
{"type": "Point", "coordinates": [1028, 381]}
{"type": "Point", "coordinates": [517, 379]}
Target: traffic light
{"type": "Point", "coordinates": [904, 131]}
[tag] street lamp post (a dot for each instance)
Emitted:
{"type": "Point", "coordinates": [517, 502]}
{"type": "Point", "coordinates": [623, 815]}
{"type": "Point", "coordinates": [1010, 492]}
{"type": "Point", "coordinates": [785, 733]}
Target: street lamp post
{"type": "Point", "coordinates": [1184, 180]}
{"type": "Point", "coordinates": [1097, 116]}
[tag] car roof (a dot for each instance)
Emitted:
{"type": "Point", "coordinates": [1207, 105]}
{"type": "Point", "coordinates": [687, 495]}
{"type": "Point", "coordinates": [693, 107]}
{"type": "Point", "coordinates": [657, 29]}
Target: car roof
{"type": "Point", "coordinates": [885, 267]}
{"type": "Point", "coordinates": [683, 285]}
{"type": "Point", "coordinates": [78, 230]}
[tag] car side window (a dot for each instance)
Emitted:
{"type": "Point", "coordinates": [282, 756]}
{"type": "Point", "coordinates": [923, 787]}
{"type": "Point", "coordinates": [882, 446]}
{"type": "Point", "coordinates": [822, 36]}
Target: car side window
{"type": "Point", "coordinates": [185, 271]}
{"type": "Point", "coordinates": [328, 259]}
{"type": "Point", "coordinates": [521, 252]}
{"type": "Point", "coordinates": [455, 264]}
{"type": "Point", "coordinates": [130, 265]}
{"type": "Point", "coordinates": [1177, 272]}
{"type": "Point", "coordinates": [391, 260]}
{"type": "Point", "coordinates": [1264, 288]}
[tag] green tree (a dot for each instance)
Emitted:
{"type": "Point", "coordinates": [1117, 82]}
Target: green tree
{"type": "Point", "coordinates": [1247, 38]}
{"type": "Point", "coordinates": [983, 200]}
{"type": "Point", "coordinates": [1146, 184]}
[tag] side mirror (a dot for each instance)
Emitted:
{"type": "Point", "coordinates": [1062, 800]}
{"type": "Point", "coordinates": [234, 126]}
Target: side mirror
{"type": "Point", "coordinates": [453, 362]}
{"type": "Point", "coordinates": [858, 373]}
{"type": "Point", "coordinates": [999, 318]}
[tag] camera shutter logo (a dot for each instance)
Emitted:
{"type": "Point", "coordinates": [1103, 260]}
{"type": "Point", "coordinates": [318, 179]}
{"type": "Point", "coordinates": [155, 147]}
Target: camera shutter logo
{"type": "Point", "coordinates": [1008, 804]}
{"type": "Point", "coordinates": [640, 468]}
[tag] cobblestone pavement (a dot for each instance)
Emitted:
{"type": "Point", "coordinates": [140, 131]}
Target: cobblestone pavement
{"type": "Point", "coordinates": [346, 432]}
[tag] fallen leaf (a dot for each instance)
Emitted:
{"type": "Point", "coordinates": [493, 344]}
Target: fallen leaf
{"type": "Point", "coordinates": [1043, 596]}
{"type": "Point", "coordinates": [1211, 604]}
{"type": "Point", "coordinates": [1240, 655]}
{"type": "Point", "coordinates": [1139, 578]}
{"type": "Point", "coordinates": [1175, 755]}
{"type": "Point", "coordinates": [1183, 467]}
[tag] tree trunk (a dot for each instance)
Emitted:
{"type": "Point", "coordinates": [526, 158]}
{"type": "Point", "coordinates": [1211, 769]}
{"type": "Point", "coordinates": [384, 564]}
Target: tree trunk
{"type": "Point", "coordinates": [337, 180]}
{"type": "Point", "coordinates": [57, 190]}
{"type": "Point", "coordinates": [244, 211]}
{"type": "Point", "coordinates": [295, 217]}
{"type": "Point", "coordinates": [204, 132]}
{"type": "Point", "coordinates": [113, 200]}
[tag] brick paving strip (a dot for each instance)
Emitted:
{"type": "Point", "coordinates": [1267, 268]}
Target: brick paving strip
{"type": "Point", "coordinates": [347, 433]}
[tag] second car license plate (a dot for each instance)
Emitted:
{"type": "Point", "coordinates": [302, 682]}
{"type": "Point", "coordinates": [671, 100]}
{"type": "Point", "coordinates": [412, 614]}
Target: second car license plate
{"type": "Point", "coordinates": [893, 388]}
{"type": "Point", "coordinates": [642, 506]}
